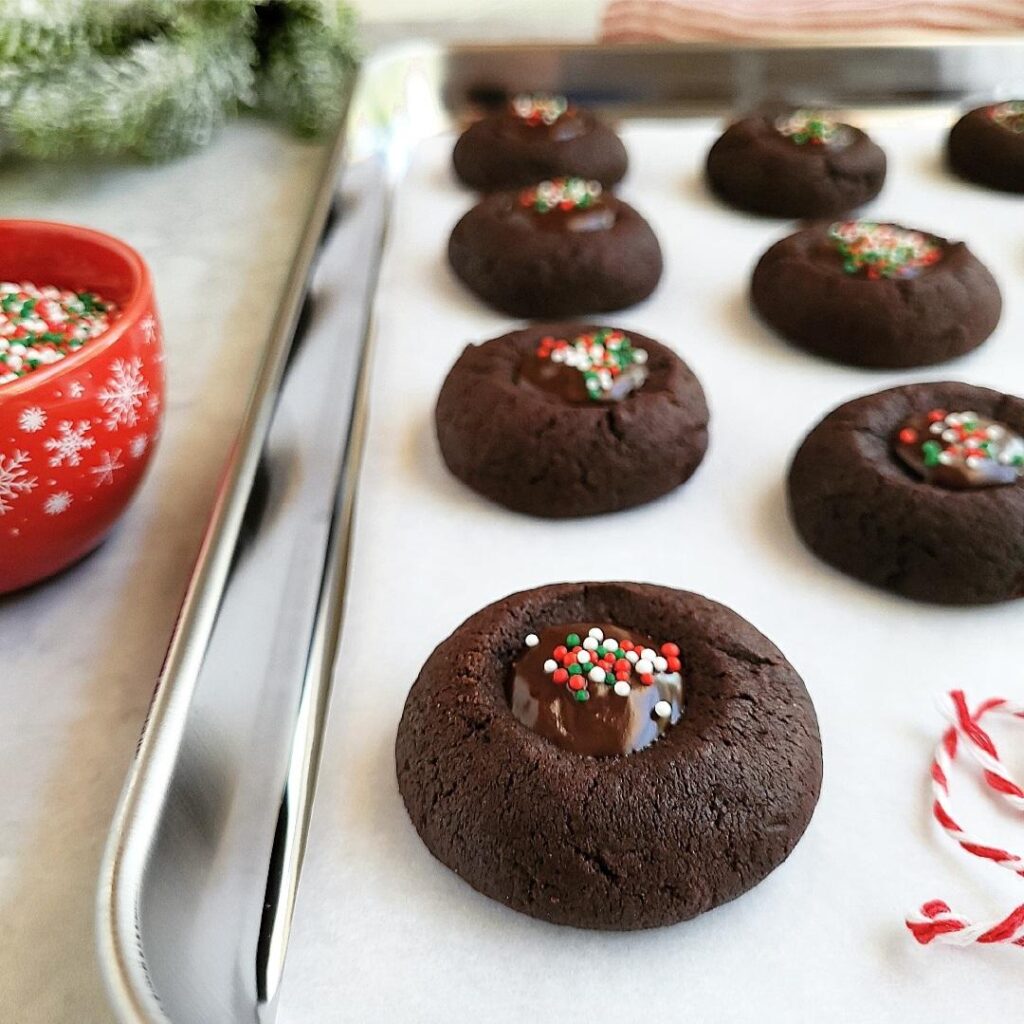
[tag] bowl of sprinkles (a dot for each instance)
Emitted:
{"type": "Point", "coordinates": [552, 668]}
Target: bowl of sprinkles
{"type": "Point", "coordinates": [40, 326]}
{"type": "Point", "coordinates": [81, 392]}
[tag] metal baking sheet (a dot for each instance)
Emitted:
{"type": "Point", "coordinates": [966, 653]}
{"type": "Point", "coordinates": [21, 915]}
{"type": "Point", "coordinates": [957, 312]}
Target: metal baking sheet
{"type": "Point", "coordinates": [195, 902]}
{"type": "Point", "coordinates": [381, 930]}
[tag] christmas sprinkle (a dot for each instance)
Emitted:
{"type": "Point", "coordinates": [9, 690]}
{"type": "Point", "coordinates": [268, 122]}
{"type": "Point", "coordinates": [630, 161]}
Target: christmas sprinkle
{"type": "Point", "coordinates": [961, 449]}
{"type": "Point", "coordinates": [883, 250]}
{"type": "Point", "coordinates": [1009, 115]}
{"type": "Point", "coordinates": [605, 660]}
{"type": "Point", "coordinates": [42, 325]}
{"type": "Point", "coordinates": [561, 194]}
{"type": "Point", "coordinates": [606, 358]}
{"type": "Point", "coordinates": [807, 127]}
{"type": "Point", "coordinates": [539, 108]}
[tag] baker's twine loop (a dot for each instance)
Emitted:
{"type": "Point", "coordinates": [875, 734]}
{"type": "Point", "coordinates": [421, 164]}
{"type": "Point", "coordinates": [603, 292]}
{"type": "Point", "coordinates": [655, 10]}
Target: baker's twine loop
{"type": "Point", "coordinates": [936, 921]}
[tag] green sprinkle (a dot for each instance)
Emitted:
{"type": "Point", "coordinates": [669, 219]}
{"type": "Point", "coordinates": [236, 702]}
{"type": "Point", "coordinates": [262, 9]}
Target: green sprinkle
{"type": "Point", "coordinates": [575, 670]}
{"type": "Point", "coordinates": [572, 640]}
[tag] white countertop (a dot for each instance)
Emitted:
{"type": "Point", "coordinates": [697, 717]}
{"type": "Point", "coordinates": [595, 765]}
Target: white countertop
{"type": "Point", "coordinates": [79, 655]}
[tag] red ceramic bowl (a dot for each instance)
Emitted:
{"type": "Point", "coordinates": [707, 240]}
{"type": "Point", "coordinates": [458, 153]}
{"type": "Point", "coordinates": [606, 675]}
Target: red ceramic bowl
{"type": "Point", "coordinates": [76, 436]}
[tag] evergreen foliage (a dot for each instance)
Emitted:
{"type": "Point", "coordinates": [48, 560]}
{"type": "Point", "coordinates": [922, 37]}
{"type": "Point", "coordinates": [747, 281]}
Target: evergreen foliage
{"type": "Point", "coordinates": [156, 78]}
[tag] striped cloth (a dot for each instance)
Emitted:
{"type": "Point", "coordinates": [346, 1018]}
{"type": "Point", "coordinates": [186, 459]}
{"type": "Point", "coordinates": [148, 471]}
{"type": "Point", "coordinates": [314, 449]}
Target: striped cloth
{"type": "Point", "coordinates": [630, 21]}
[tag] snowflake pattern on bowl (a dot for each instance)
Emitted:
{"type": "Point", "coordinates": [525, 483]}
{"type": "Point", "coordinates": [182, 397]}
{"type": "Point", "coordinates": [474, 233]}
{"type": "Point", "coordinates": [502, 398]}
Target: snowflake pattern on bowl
{"type": "Point", "coordinates": [75, 446]}
{"type": "Point", "coordinates": [123, 393]}
{"type": "Point", "coordinates": [15, 481]}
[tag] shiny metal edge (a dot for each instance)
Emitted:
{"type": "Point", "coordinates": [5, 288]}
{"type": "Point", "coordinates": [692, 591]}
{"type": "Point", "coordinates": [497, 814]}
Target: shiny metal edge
{"type": "Point", "coordinates": [661, 78]}
{"type": "Point", "coordinates": [140, 805]}
{"type": "Point", "coordinates": [391, 116]}
{"type": "Point", "coordinates": [304, 761]}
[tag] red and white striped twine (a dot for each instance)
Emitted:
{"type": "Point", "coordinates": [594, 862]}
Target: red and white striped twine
{"type": "Point", "coordinates": [936, 922]}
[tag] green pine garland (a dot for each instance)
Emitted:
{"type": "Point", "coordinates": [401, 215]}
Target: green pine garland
{"type": "Point", "coordinates": [156, 78]}
{"type": "Point", "coordinates": [304, 61]}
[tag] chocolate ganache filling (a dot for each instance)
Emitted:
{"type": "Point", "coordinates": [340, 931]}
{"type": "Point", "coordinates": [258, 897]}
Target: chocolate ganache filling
{"type": "Point", "coordinates": [599, 366]}
{"type": "Point", "coordinates": [568, 204]}
{"type": "Point", "coordinates": [960, 450]}
{"type": "Point", "coordinates": [1009, 115]}
{"type": "Point", "coordinates": [597, 690]}
{"type": "Point", "coordinates": [545, 116]}
{"type": "Point", "coordinates": [884, 251]}
{"type": "Point", "coordinates": [813, 130]}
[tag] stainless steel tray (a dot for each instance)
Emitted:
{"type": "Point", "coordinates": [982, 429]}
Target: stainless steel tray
{"type": "Point", "coordinates": [197, 891]}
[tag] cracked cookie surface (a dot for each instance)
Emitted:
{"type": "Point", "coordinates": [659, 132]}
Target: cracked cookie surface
{"type": "Point", "coordinates": [755, 167]}
{"type": "Point", "coordinates": [534, 452]}
{"type": "Point", "coordinates": [637, 841]}
{"type": "Point", "coordinates": [861, 509]}
{"type": "Point", "coordinates": [532, 265]}
{"type": "Point", "coordinates": [498, 152]}
{"type": "Point", "coordinates": [806, 290]}
{"type": "Point", "coordinates": [989, 150]}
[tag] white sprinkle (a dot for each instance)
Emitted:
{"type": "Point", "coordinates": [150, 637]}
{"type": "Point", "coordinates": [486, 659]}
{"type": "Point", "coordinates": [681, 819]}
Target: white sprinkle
{"type": "Point", "coordinates": [596, 674]}
{"type": "Point", "coordinates": [611, 644]}
{"type": "Point", "coordinates": [660, 664]}
{"type": "Point", "coordinates": [648, 655]}
{"type": "Point", "coordinates": [950, 435]}
{"type": "Point", "coordinates": [583, 657]}
{"type": "Point", "coordinates": [644, 667]}
{"type": "Point", "coordinates": [632, 656]}
{"type": "Point", "coordinates": [622, 688]}
{"type": "Point", "coordinates": [597, 633]}
{"type": "Point", "coordinates": [590, 644]}
{"type": "Point", "coordinates": [973, 461]}
{"type": "Point", "coordinates": [531, 640]}
{"type": "Point", "coordinates": [937, 428]}
{"type": "Point", "coordinates": [550, 665]}
{"type": "Point", "coordinates": [639, 356]}
{"type": "Point", "coordinates": [663, 709]}
{"type": "Point", "coordinates": [946, 459]}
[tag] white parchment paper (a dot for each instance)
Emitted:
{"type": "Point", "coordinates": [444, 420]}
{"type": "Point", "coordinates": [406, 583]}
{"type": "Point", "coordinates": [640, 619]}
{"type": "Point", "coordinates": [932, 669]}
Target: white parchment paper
{"type": "Point", "coordinates": [385, 933]}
